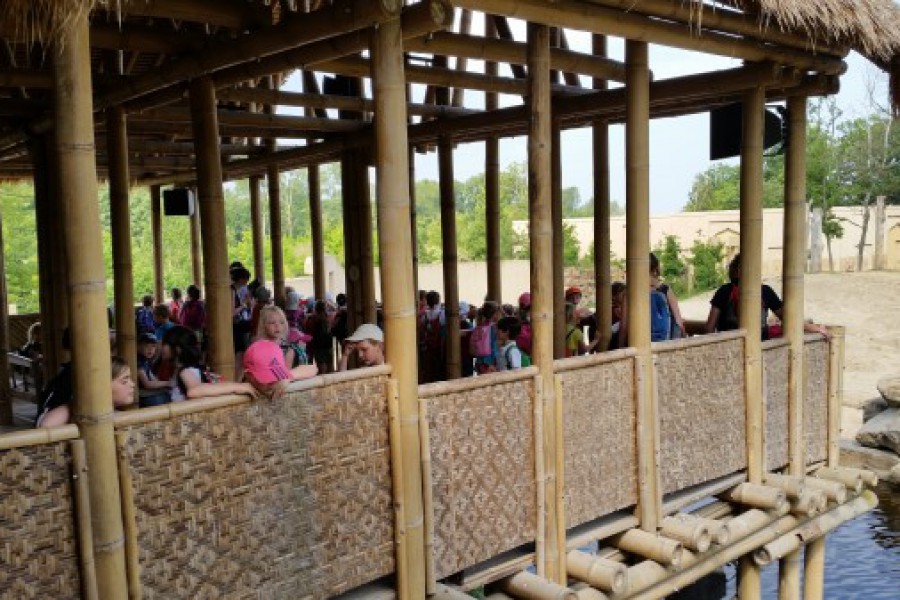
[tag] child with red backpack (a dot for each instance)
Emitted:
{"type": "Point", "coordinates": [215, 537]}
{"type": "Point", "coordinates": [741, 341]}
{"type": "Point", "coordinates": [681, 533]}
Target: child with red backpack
{"type": "Point", "coordinates": [483, 340]}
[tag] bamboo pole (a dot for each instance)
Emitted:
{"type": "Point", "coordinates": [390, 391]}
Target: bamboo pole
{"type": "Point", "coordinates": [129, 519]}
{"type": "Point", "coordinates": [637, 258]}
{"type": "Point", "coordinates": [833, 490]}
{"type": "Point", "coordinates": [315, 219]}
{"type": "Point", "coordinates": [602, 242]}
{"type": "Point", "coordinates": [657, 548]}
{"type": "Point", "coordinates": [542, 293]}
{"type": "Point", "coordinates": [351, 243]}
{"type": "Point", "coordinates": [835, 392]}
{"type": "Point", "coordinates": [559, 275]}
{"type": "Point", "coordinates": [156, 229]}
{"type": "Point", "coordinates": [427, 496]}
{"type": "Point", "coordinates": [256, 227]}
{"type": "Point", "coordinates": [120, 215]}
{"type": "Point", "coordinates": [527, 586]}
{"type": "Point", "coordinates": [6, 408]}
{"type": "Point", "coordinates": [87, 296]}
{"type": "Point", "coordinates": [453, 360]}
{"type": "Point", "coordinates": [273, 181]}
{"type": "Point", "coordinates": [413, 226]}
{"type": "Point", "coordinates": [82, 497]}
{"type": "Point", "coordinates": [212, 214]}
{"type": "Point", "coordinates": [366, 244]}
{"type": "Point", "coordinates": [397, 290]}
{"type": "Point", "coordinates": [397, 491]}
{"type": "Point", "coordinates": [540, 474]}
{"type": "Point", "coordinates": [492, 187]}
{"type": "Point", "coordinates": [196, 247]}
{"type": "Point", "coordinates": [606, 575]}
{"type": "Point", "coordinates": [40, 178]}
{"type": "Point", "coordinates": [689, 530]}
{"type": "Point", "coordinates": [749, 303]}
{"type": "Point", "coordinates": [851, 479]}
{"type": "Point", "coordinates": [757, 496]}
{"type": "Point", "coordinates": [560, 479]}
{"type": "Point", "coordinates": [572, 14]}
{"type": "Point", "coordinates": [814, 570]}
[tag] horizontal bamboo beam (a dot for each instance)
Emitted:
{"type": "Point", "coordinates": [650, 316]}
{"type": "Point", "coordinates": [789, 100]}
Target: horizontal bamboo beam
{"type": "Point", "coordinates": [132, 38]}
{"type": "Point", "coordinates": [359, 67]}
{"type": "Point", "coordinates": [721, 18]}
{"type": "Point", "coordinates": [232, 14]}
{"type": "Point", "coordinates": [141, 146]}
{"type": "Point", "coordinates": [252, 119]}
{"type": "Point", "coordinates": [26, 78]}
{"type": "Point", "coordinates": [280, 98]}
{"type": "Point", "coordinates": [183, 131]}
{"type": "Point", "coordinates": [496, 50]}
{"type": "Point", "coordinates": [575, 14]}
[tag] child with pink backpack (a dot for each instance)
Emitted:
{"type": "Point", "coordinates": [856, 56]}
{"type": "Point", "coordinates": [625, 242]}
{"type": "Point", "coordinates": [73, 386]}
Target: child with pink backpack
{"type": "Point", "coordinates": [483, 340]}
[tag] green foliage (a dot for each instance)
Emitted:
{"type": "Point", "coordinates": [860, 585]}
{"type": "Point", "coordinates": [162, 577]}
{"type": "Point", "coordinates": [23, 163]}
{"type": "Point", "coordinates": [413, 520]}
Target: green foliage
{"type": "Point", "coordinates": [671, 263]}
{"type": "Point", "coordinates": [706, 259]}
{"type": "Point", "coordinates": [570, 246]}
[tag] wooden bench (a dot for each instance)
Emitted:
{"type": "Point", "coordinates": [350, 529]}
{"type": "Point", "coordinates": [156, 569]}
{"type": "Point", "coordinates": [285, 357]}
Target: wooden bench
{"type": "Point", "coordinates": [22, 366]}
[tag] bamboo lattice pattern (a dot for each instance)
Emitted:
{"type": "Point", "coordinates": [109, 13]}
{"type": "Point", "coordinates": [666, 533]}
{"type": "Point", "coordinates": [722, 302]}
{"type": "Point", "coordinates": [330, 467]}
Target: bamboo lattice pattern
{"type": "Point", "coordinates": [39, 555]}
{"type": "Point", "coordinates": [701, 410]}
{"type": "Point", "coordinates": [599, 427]}
{"type": "Point", "coordinates": [775, 377]}
{"type": "Point", "coordinates": [815, 400]}
{"type": "Point", "coordinates": [483, 473]}
{"type": "Point", "coordinates": [287, 499]}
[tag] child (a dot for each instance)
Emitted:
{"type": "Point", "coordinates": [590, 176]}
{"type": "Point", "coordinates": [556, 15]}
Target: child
{"type": "Point", "coordinates": [575, 345]}
{"type": "Point", "coordinates": [676, 323]}
{"type": "Point", "coordinates": [510, 356]}
{"type": "Point", "coordinates": [153, 391]}
{"type": "Point", "coordinates": [161, 321]}
{"type": "Point", "coordinates": [191, 380]}
{"type": "Point", "coordinates": [175, 305]}
{"type": "Point", "coordinates": [144, 316]}
{"type": "Point", "coordinates": [193, 312]}
{"type": "Point", "coordinates": [266, 371]}
{"type": "Point", "coordinates": [273, 326]}
{"type": "Point", "coordinates": [122, 396]}
{"type": "Point", "coordinates": [485, 350]}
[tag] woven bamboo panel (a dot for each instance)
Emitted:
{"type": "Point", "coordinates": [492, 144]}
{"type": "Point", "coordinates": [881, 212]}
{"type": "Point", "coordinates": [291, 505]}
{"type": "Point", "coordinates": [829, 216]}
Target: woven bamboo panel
{"type": "Point", "coordinates": [815, 400]}
{"type": "Point", "coordinates": [600, 451]}
{"type": "Point", "coordinates": [701, 413]}
{"type": "Point", "coordinates": [482, 473]}
{"type": "Point", "coordinates": [18, 329]}
{"type": "Point", "coordinates": [775, 373]}
{"type": "Point", "coordinates": [287, 499]}
{"type": "Point", "coordinates": [38, 549]}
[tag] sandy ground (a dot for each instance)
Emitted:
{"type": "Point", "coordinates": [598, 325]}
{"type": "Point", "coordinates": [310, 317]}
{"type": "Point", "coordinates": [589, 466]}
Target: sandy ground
{"type": "Point", "coordinates": [867, 305]}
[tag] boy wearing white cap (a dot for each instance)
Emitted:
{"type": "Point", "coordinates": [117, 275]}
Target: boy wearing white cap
{"type": "Point", "coordinates": [368, 342]}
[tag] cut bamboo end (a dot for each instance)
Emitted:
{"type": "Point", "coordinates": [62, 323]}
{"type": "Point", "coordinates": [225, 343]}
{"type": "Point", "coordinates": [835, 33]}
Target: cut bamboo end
{"type": "Point", "coordinates": [444, 592]}
{"type": "Point", "coordinates": [792, 486]}
{"type": "Point", "coordinates": [852, 480]}
{"type": "Point", "coordinates": [776, 549]}
{"type": "Point", "coordinates": [585, 592]}
{"type": "Point", "coordinates": [757, 496]}
{"type": "Point", "coordinates": [655, 547]}
{"type": "Point", "coordinates": [868, 477]}
{"type": "Point", "coordinates": [810, 503]}
{"type": "Point", "coordinates": [606, 575]}
{"type": "Point", "coordinates": [834, 490]}
{"type": "Point", "coordinates": [644, 574]}
{"type": "Point", "coordinates": [746, 523]}
{"type": "Point", "coordinates": [691, 531]}
{"type": "Point", "coordinates": [718, 530]}
{"type": "Point", "coordinates": [528, 586]}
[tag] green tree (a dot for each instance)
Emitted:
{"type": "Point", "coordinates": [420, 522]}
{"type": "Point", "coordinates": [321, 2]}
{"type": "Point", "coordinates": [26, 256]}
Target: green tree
{"type": "Point", "coordinates": [706, 259]}
{"type": "Point", "coordinates": [671, 263]}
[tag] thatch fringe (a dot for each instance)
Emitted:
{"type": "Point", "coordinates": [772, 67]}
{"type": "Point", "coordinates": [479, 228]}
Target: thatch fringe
{"type": "Point", "coordinates": [895, 85]}
{"type": "Point", "coordinates": [39, 21]}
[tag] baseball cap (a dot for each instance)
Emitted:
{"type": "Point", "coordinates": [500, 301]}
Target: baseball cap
{"type": "Point", "coordinates": [265, 362]}
{"type": "Point", "coordinates": [147, 338]}
{"type": "Point", "coordinates": [525, 300]}
{"type": "Point", "coordinates": [367, 332]}
{"type": "Point", "coordinates": [573, 290]}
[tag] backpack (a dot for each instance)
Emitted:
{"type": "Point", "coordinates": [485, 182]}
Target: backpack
{"type": "Point", "coordinates": [144, 320]}
{"type": "Point", "coordinates": [523, 341]}
{"type": "Point", "coordinates": [525, 359]}
{"type": "Point", "coordinates": [480, 341]}
{"type": "Point", "coordinates": [660, 317]}
{"type": "Point", "coordinates": [193, 314]}
{"type": "Point", "coordinates": [431, 337]}
{"type": "Point", "coordinates": [674, 329]}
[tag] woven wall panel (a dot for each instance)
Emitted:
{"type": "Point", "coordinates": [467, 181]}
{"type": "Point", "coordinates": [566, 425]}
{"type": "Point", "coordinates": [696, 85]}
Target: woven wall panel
{"type": "Point", "coordinates": [599, 427]}
{"type": "Point", "coordinates": [483, 473]}
{"type": "Point", "coordinates": [38, 548]}
{"type": "Point", "coordinates": [701, 413]}
{"type": "Point", "coordinates": [287, 499]}
{"type": "Point", "coordinates": [815, 400]}
{"type": "Point", "coordinates": [776, 367]}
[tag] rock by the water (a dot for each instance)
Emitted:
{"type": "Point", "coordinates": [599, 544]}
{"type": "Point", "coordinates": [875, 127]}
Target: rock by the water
{"type": "Point", "coordinates": [889, 387]}
{"type": "Point", "coordinates": [872, 407]}
{"type": "Point", "coordinates": [882, 431]}
{"type": "Point", "coordinates": [894, 475]}
{"type": "Point", "coordinates": [859, 457]}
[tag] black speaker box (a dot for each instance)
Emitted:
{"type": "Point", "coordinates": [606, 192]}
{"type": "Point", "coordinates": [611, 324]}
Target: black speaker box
{"type": "Point", "coordinates": [725, 130]}
{"type": "Point", "coordinates": [178, 202]}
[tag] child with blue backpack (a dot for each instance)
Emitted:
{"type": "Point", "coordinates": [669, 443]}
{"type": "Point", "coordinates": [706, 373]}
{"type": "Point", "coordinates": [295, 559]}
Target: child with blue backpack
{"type": "Point", "coordinates": [665, 316]}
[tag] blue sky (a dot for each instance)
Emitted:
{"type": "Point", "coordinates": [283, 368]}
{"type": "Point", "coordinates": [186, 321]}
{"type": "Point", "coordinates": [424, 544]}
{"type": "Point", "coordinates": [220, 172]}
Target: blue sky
{"type": "Point", "coordinates": [679, 147]}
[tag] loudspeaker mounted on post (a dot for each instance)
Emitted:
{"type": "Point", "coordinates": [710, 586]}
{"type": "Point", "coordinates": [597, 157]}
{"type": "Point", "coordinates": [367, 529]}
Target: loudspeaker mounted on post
{"type": "Point", "coordinates": [726, 130]}
{"type": "Point", "coordinates": [178, 202]}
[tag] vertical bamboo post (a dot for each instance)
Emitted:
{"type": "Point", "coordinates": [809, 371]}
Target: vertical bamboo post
{"type": "Point", "coordinates": [794, 261]}
{"type": "Point", "coordinates": [366, 243]}
{"type": "Point", "coordinates": [196, 247]}
{"type": "Point", "coordinates": [835, 392]}
{"type": "Point", "coordinates": [814, 570]}
{"type": "Point", "coordinates": [750, 301]}
{"type": "Point", "coordinates": [212, 219]}
{"type": "Point", "coordinates": [6, 411]}
{"type": "Point", "coordinates": [542, 293]}
{"type": "Point", "coordinates": [397, 291]}
{"type": "Point", "coordinates": [38, 152]}
{"type": "Point", "coordinates": [492, 188]}
{"type": "Point", "coordinates": [315, 220]}
{"type": "Point", "coordinates": [449, 257]}
{"type": "Point", "coordinates": [413, 226]}
{"type": "Point", "coordinates": [256, 227]}
{"type": "Point", "coordinates": [129, 518]}
{"type": "Point", "coordinates": [93, 408]}
{"type": "Point", "coordinates": [637, 259]}
{"type": "Point", "coordinates": [156, 230]}
{"type": "Point", "coordinates": [82, 501]}
{"type": "Point", "coordinates": [602, 243]}
{"type": "Point", "coordinates": [559, 275]}
{"type": "Point", "coordinates": [273, 180]}
{"type": "Point", "coordinates": [120, 215]}
{"type": "Point", "coordinates": [351, 242]}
